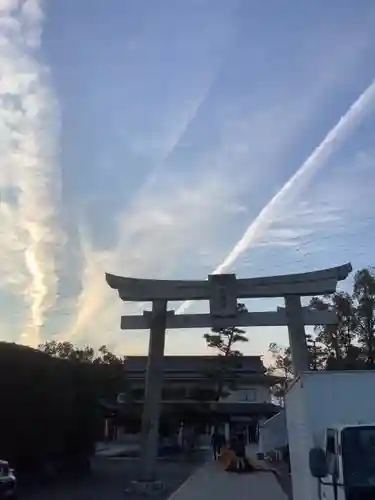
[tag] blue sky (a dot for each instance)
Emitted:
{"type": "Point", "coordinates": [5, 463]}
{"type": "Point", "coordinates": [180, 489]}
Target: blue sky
{"type": "Point", "coordinates": [145, 137]}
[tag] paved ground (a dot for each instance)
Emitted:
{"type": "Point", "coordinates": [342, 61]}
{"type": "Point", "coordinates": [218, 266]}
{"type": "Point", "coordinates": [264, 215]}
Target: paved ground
{"type": "Point", "coordinates": [284, 478]}
{"type": "Point", "coordinates": [109, 479]}
{"type": "Point", "coordinates": [111, 476]}
{"type": "Point", "coordinates": [211, 481]}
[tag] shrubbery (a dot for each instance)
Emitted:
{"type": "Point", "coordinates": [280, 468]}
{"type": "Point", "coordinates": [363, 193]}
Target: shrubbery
{"type": "Point", "coordinates": [49, 410]}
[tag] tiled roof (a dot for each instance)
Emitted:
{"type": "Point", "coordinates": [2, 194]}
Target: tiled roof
{"type": "Point", "coordinates": [195, 363]}
{"type": "Point", "coordinates": [232, 409]}
{"type": "Point", "coordinates": [247, 408]}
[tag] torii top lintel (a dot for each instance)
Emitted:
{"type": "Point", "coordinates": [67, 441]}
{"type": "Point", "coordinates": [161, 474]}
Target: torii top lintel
{"type": "Point", "coordinates": [304, 284]}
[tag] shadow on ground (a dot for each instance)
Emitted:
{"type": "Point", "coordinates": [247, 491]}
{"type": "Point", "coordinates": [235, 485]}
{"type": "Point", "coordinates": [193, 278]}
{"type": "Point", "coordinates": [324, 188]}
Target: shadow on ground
{"type": "Point", "coordinates": [109, 478]}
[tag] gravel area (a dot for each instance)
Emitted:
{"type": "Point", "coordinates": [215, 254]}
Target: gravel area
{"type": "Point", "coordinates": [111, 476]}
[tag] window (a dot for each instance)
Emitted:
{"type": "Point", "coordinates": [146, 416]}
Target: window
{"type": "Point", "coordinates": [174, 394]}
{"type": "Point", "coordinates": [358, 452]}
{"type": "Point", "coordinates": [137, 394]}
{"type": "Point", "coordinates": [330, 442]}
{"type": "Point", "coordinates": [247, 395]}
{"type": "Point", "coordinates": [201, 394]}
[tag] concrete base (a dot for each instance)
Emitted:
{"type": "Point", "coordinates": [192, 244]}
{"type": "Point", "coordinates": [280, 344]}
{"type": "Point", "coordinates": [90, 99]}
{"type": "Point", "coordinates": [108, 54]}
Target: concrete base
{"type": "Point", "coordinates": [146, 488]}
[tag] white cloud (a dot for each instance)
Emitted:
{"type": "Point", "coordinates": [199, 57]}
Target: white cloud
{"type": "Point", "coordinates": [305, 221]}
{"type": "Point", "coordinates": [28, 132]}
{"type": "Point", "coordinates": [154, 234]}
{"type": "Point", "coordinates": [317, 159]}
{"type": "Point", "coordinates": [330, 210]}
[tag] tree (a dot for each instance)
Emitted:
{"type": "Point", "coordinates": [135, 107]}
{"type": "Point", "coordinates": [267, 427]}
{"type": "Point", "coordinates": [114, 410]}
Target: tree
{"type": "Point", "coordinates": [337, 339]}
{"type": "Point", "coordinates": [48, 409]}
{"type": "Point", "coordinates": [86, 354]}
{"type": "Point", "coordinates": [223, 341]}
{"type": "Point", "coordinates": [282, 366]}
{"type": "Point", "coordinates": [317, 352]}
{"type": "Point", "coordinates": [282, 360]}
{"type": "Point", "coordinates": [364, 295]}
{"type": "Point", "coordinates": [347, 345]}
{"type": "Point", "coordinates": [282, 363]}
{"type": "Point", "coordinates": [350, 344]}
{"type": "Point", "coordinates": [105, 369]}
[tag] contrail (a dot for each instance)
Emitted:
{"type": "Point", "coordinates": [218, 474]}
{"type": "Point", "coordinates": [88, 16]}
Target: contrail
{"type": "Point", "coordinates": [345, 126]}
{"type": "Point", "coordinates": [28, 125]}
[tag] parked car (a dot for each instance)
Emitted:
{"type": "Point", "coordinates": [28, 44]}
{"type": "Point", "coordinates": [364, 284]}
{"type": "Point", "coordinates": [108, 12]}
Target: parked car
{"type": "Point", "coordinates": [8, 482]}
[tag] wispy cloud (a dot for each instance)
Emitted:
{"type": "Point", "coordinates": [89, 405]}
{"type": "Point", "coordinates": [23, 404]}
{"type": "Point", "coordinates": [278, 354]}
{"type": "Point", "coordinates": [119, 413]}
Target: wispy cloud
{"type": "Point", "coordinates": [206, 41]}
{"type": "Point", "coordinates": [331, 210]}
{"type": "Point", "coordinates": [305, 222]}
{"type": "Point", "coordinates": [155, 233]}
{"type": "Point", "coordinates": [317, 159]}
{"type": "Point", "coordinates": [29, 186]}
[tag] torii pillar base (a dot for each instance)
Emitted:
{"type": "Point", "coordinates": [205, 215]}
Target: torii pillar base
{"type": "Point", "coordinates": [145, 488]}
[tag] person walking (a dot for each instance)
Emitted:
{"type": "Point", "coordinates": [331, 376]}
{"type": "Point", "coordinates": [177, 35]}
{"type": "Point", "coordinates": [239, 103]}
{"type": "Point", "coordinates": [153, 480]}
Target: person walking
{"type": "Point", "coordinates": [217, 443]}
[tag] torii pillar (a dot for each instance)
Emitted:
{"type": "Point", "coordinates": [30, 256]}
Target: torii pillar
{"type": "Point", "coordinates": [297, 334]}
{"type": "Point", "coordinates": [153, 386]}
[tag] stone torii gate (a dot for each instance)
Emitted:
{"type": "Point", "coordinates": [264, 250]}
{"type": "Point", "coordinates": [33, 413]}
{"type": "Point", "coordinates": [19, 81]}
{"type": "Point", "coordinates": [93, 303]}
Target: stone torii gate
{"type": "Point", "coordinates": [222, 291]}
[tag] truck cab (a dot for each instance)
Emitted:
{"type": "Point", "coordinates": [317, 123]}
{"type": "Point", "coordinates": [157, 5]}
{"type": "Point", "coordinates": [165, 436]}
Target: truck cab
{"type": "Point", "coordinates": [345, 466]}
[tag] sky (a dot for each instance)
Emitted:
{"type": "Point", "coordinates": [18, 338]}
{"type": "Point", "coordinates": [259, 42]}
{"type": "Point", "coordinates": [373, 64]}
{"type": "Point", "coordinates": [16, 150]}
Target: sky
{"type": "Point", "coordinates": [172, 138]}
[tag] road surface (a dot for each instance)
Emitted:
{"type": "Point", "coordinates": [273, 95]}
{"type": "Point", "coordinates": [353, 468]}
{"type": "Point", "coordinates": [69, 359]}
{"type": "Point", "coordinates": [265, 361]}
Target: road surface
{"type": "Point", "coordinates": [109, 479]}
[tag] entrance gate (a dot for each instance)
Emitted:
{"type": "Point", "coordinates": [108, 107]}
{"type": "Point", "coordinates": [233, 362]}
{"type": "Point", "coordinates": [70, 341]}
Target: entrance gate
{"type": "Point", "coordinates": [222, 292]}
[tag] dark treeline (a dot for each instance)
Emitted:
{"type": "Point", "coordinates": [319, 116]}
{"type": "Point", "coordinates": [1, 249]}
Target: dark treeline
{"type": "Point", "coordinates": [50, 413]}
{"type": "Point", "coordinates": [348, 345]}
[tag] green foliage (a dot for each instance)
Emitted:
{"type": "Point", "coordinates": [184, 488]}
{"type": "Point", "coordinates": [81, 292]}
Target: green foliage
{"type": "Point", "coordinates": [105, 369]}
{"type": "Point", "coordinates": [50, 401]}
{"type": "Point", "coordinates": [348, 345]}
{"type": "Point", "coordinates": [222, 372]}
{"type": "Point", "coordinates": [337, 339]}
{"type": "Point", "coordinates": [282, 366]}
{"type": "Point", "coordinates": [364, 297]}
{"type": "Point", "coordinates": [223, 340]}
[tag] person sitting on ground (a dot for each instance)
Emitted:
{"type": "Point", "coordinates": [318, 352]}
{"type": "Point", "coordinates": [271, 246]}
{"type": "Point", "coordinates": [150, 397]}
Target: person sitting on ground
{"type": "Point", "coordinates": [228, 457]}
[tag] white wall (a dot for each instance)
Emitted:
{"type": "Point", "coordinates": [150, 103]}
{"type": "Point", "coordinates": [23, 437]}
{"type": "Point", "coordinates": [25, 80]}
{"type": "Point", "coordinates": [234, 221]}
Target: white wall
{"type": "Point", "coordinates": [249, 394]}
{"type": "Point", "coordinates": [273, 433]}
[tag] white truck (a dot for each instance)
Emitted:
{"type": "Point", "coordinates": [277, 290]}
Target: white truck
{"type": "Point", "coordinates": [331, 432]}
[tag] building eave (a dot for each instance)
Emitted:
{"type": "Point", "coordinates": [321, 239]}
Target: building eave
{"type": "Point", "coordinates": [242, 378]}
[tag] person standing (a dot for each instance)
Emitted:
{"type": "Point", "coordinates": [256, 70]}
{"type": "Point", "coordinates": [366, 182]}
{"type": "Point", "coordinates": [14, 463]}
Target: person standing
{"type": "Point", "coordinates": [217, 442]}
{"type": "Point", "coordinates": [222, 442]}
{"type": "Point", "coordinates": [240, 451]}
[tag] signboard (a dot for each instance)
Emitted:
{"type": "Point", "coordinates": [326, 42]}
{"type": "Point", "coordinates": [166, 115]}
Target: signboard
{"type": "Point", "coordinates": [223, 297]}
